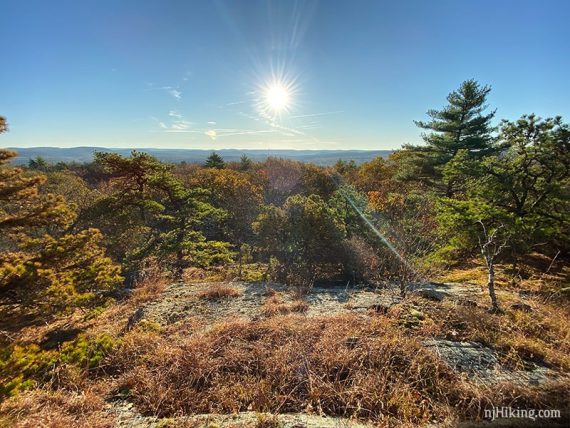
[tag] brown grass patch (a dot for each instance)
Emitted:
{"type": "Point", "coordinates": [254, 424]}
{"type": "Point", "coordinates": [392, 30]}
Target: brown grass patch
{"type": "Point", "coordinates": [274, 306]}
{"type": "Point", "coordinates": [41, 408]}
{"type": "Point", "coordinates": [342, 366]}
{"type": "Point", "coordinates": [339, 366]}
{"type": "Point", "coordinates": [541, 336]}
{"type": "Point", "coordinates": [149, 287]}
{"type": "Point", "coordinates": [537, 273]}
{"type": "Point", "coordinates": [219, 291]}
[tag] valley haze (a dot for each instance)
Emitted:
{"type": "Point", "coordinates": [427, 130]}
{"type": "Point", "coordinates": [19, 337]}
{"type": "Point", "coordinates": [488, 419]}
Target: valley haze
{"type": "Point", "coordinates": [85, 154]}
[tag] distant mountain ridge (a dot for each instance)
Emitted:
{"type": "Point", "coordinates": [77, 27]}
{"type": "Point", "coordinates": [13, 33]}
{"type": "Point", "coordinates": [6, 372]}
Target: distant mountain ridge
{"type": "Point", "coordinates": [85, 154]}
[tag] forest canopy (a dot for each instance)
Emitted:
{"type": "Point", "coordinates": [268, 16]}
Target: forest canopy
{"type": "Point", "coordinates": [76, 233]}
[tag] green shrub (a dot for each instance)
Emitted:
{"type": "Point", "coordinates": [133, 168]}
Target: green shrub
{"type": "Point", "coordinates": [23, 366]}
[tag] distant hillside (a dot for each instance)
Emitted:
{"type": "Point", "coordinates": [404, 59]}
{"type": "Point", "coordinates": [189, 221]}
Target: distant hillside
{"type": "Point", "coordinates": [85, 154]}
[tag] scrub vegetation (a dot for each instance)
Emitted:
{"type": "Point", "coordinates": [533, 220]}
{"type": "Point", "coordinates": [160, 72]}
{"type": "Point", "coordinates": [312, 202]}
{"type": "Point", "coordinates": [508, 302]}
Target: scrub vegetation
{"type": "Point", "coordinates": [86, 249]}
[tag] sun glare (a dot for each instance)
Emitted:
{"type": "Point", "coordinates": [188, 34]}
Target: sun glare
{"type": "Point", "coordinates": [277, 97]}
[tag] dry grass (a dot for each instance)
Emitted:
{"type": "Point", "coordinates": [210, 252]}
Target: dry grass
{"type": "Point", "coordinates": [541, 335]}
{"type": "Point", "coordinates": [275, 306]}
{"type": "Point", "coordinates": [219, 291]}
{"type": "Point", "coordinates": [149, 287]}
{"type": "Point", "coordinates": [537, 273]}
{"type": "Point", "coordinates": [40, 408]}
{"type": "Point", "coordinates": [476, 275]}
{"type": "Point", "coordinates": [343, 366]}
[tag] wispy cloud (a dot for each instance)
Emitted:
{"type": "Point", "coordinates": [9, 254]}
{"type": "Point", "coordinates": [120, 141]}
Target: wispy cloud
{"type": "Point", "coordinates": [175, 93]}
{"type": "Point", "coordinates": [181, 125]}
{"type": "Point", "coordinates": [234, 132]}
{"type": "Point", "coordinates": [176, 124]}
{"type": "Point", "coordinates": [300, 116]}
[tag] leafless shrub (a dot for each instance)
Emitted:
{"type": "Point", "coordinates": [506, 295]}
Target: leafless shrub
{"type": "Point", "coordinates": [408, 239]}
{"type": "Point", "coordinates": [149, 282]}
{"type": "Point", "coordinates": [491, 244]}
{"type": "Point", "coordinates": [363, 262]}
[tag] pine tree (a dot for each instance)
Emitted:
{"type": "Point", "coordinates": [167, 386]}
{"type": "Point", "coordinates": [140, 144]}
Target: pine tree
{"type": "Point", "coordinates": [244, 163]}
{"type": "Point", "coordinates": [215, 161]}
{"type": "Point", "coordinates": [459, 126]}
{"type": "Point", "coordinates": [3, 124]}
{"type": "Point", "coordinates": [125, 213]}
{"type": "Point", "coordinates": [39, 164]}
{"type": "Point", "coordinates": [178, 237]}
{"type": "Point", "coordinates": [41, 264]}
{"type": "Point", "coordinates": [22, 208]}
{"type": "Point", "coordinates": [150, 213]}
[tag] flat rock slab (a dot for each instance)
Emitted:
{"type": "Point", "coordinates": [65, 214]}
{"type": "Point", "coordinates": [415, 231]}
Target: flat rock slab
{"type": "Point", "coordinates": [439, 291]}
{"type": "Point", "coordinates": [181, 301]}
{"type": "Point", "coordinates": [481, 364]}
{"type": "Point", "coordinates": [126, 415]}
{"type": "Point", "coordinates": [334, 300]}
{"type": "Point", "coordinates": [295, 420]}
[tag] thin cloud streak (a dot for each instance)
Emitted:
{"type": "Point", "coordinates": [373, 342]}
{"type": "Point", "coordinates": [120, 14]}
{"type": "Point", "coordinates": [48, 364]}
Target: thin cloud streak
{"type": "Point", "coordinates": [300, 116]}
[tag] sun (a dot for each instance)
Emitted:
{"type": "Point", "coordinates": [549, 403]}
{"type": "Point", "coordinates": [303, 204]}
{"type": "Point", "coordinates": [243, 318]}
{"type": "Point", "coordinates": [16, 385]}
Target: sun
{"type": "Point", "coordinates": [277, 97]}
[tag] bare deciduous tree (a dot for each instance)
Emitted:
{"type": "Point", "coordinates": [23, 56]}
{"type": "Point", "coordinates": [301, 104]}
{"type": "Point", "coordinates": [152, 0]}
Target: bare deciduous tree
{"type": "Point", "coordinates": [491, 245]}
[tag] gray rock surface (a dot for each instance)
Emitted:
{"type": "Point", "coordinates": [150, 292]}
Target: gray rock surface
{"type": "Point", "coordinates": [432, 294]}
{"type": "Point", "coordinates": [126, 415]}
{"type": "Point", "coordinates": [180, 301]}
{"type": "Point", "coordinates": [482, 364]}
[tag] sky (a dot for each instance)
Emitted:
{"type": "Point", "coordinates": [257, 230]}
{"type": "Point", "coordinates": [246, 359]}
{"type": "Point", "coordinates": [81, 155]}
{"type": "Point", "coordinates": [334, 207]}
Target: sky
{"type": "Point", "coordinates": [350, 74]}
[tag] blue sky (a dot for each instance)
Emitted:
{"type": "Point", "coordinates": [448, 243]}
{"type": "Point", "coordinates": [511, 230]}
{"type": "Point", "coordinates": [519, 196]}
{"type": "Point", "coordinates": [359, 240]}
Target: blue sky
{"type": "Point", "coordinates": [191, 74]}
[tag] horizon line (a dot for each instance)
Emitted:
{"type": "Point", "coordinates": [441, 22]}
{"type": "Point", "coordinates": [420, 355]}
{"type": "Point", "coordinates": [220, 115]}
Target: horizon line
{"type": "Point", "coordinates": [198, 149]}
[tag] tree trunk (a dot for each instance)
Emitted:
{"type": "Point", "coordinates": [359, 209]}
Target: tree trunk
{"type": "Point", "coordinates": [491, 286]}
{"type": "Point", "coordinates": [179, 268]}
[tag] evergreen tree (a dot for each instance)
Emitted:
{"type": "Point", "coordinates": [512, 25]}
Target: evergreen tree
{"type": "Point", "coordinates": [3, 124]}
{"type": "Point", "coordinates": [215, 161]}
{"type": "Point", "coordinates": [244, 163]}
{"type": "Point", "coordinates": [523, 189]}
{"type": "Point", "coordinates": [22, 208]}
{"type": "Point", "coordinates": [41, 264]}
{"type": "Point", "coordinates": [178, 234]}
{"type": "Point", "coordinates": [150, 213]}
{"type": "Point", "coordinates": [461, 125]}
{"type": "Point", "coordinates": [127, 209]}
{"type": "Point", "coordinates": [39, 164]}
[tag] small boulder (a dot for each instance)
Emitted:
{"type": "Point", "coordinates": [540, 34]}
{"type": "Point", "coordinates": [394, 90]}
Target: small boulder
{"type": "Point", "coordinates": [434, 295]}
{"type": "Point", "coordinates": [521, 306]}
{"type": "Point", "coordinates": [135, 318]}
